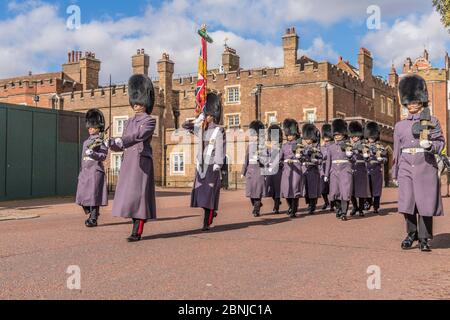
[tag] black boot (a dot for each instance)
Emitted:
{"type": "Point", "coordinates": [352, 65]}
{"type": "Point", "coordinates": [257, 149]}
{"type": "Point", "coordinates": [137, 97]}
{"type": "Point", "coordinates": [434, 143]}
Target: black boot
{"type": "Point", "coordinates": [409, 241]}
{"type": "Point", "coordinates": [312, 206]}
{"type": "Point", "coordinates": [208, 219]}
{"type": "Point", "coordinates": [361, 207]}
{"type": "Point", "coordinates": [367, 204]}
{"type": "Point", "coordinates": [376, 204]}
{"type": "Point", "coordinates": [354, 207]}
{"type": "Point", "coordinates": [136, 233]}
{"type": "Point", "coordinates": [276, 206]}
{"type": "Point", "coordinates": [337, 204]}
{"type": "Point", "coordinates": [257, 208]}
{"type": "Point", "coordinates": [93, 216]}
{"type": "Point", "coordinates": [327, 203]}
{"type": "Point", "coordinates": [344, 210]}
{"type": "Point", "coordinates": [332, 205]}
{"type": "Point", "coordinates": [424, 246]}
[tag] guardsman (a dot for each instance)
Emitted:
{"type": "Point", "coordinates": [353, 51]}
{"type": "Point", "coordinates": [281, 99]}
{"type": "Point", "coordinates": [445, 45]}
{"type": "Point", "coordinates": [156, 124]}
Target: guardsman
{"type": "Point", "coordinates": [92, 190]}
{"type": "Point", "coordinates": [327, 136]}
{"type": "Point", "coordinates": [417, 139]}
{"type": "Point", "coordinates": [377, 158]}
{"type": "Point", "coordinates": [135, 193]}
{"type": "Point", "coordinates": [274, 167]}
{"type": "Point", "coordinates": [339, 168]}
{"type": "Point", "coordinates": [253, 166]}
{"type": "Point", "coordinates": [361, 190]}
{"type": "Point", "coordinates": [311, 160]}
{"type": "Point", "coordinates": [210, 158]}
{"type": "Point", "coordinates": [292, 176]}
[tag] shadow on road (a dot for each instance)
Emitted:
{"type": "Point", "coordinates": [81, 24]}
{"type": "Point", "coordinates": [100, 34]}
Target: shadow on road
{"type": "Point", "coordinates": [217, 229]}
{"type": "Point", "coordinates": [159, 219]}
{"type": "Point", "coordinates": [441, 241]}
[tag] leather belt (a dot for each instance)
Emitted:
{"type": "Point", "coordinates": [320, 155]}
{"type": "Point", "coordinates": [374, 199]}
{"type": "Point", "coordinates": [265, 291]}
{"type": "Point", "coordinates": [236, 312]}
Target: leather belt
{"type": "Point", "coordinates": [88, 159]}
{"type": "Point", "coordinates": [309, 164]}
{"type": "Point", "coordinates": [340, 161]}
{"type": "Point", "coordinates": [413, 151]}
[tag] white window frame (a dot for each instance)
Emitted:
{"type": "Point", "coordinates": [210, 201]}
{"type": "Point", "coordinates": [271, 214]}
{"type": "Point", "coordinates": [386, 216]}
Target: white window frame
{"type": "Point", "coordinates": [383, 104]}
{"type": "Point", "coordinates": [115, 124]}
{"type": "Point", "coordinates": [309, 111]}
{"type": "Point", "coordinates": [269, 114]}
{"type": "Point", "coordinates": [227, 117]}
{"type": "Point", "coordinates": [227, 95]}
{"type": "Point", "coordinates": [390, 110]}
{"type": "Point", "coordinates": [114, 155]}
{"type": "Point", "coordinates": [178, 172]}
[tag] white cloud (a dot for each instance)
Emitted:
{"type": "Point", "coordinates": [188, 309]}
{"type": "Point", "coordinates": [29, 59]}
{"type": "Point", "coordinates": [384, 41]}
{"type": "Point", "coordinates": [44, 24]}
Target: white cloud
{"type": "Point", "coordinates": [320, 51]}
{"type": "Point", "coordinates": [38, 39]}
{"type": "Point", "coordinates": [407, 38]}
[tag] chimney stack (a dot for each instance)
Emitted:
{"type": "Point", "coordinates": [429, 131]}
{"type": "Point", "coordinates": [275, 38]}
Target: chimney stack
{"type": "Point", "coordinates": [365, 62]}
{"type": "Point", "coordinates": [290, 47]}
{"type": "Point", "coordinates": [140, 62]}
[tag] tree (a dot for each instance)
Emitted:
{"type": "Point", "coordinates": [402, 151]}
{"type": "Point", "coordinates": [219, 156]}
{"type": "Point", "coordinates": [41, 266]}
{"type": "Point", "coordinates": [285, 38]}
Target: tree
{"type": "Point", "coordinates": [443, 7]}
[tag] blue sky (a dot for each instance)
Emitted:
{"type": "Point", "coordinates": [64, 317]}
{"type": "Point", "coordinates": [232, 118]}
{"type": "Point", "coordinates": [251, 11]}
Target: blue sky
{"type": "Point", "coordinates": [34, 36]}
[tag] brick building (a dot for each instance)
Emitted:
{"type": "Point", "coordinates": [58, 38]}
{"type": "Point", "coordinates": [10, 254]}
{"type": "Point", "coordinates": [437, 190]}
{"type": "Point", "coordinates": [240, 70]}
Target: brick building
{"type": "Point", "coordinates": [305, 89]}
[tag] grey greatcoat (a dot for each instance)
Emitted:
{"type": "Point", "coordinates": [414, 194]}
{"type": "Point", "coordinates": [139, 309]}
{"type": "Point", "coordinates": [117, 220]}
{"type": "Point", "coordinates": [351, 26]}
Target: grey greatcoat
{"type": "Point", "coordinates": [252, 170]}
{"type": "Point", "coordinates": [135, 193]}
{"type": "Point", "coordinates": [417, 176]}
{"type": "Point", "coordinates": [292, 175]}
{"type": "Point", "coordinates": [92, 190]}
{"type": "Point", "coordinates": [361, 187]}
{"type": "Point", "coordinates": [375, 171]}
{"type": "Point", "coordinates": [273, 171]}
{"type": "Point", "coordinates": [207, 183]}
{"type": "Point", "coordinates": [339, 172]}
{"type": "Point", "coordinates": [324, 186]}
{"type": "Point", "coordinates": [311, 174]}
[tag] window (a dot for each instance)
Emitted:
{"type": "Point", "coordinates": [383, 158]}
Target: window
{"type": "Point", "coordinates": [233, 95]}
{"type": "Point", "coordinates": [271, 117]}
{"type": "Point", "coordinates": [119, 125]}
{"type": "Point", "coordinates": [340, 115]}
{"type": "Point", "coordinates": [177, 163]}
{"type": "Point", "coordinates": [390, 107]}
{"type": "Point", "coordinates": [310, 116]}
{"type": "Point", "coordinates": [233, 120]}
{"type": "Point", "coordinates": [404, 112]}
{"type": "Point", "coordinates": [116, 161]}
{"type": "Point", "coordinates": [383, 105]}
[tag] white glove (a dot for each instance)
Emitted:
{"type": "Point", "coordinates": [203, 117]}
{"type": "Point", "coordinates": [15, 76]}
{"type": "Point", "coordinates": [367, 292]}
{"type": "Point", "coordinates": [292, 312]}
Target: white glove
{"type": "Point", "coordinates": [242, 176]}
{"type": "Point", "coordinates": [395, 181]}
{"type": "Point", "coordinates": [118, 142]}
{"type": "Point", "coordinates": [216, 168]}
{"type": "Point", "coordinates": [298, 156]}
{"type": "Point", "coordinates": [89, 152]}
{"type": "Point", "coordinates": [325, 179]}
{"type": "Point", "coordinates": [270, 170]}
{"type": "Point", "coordinates": [200, 118]}
{"type": "Point", "coordinates": [366, 155]}
{"type": "Point", "coordinates": [380, 159]}
{"type": "Point", "coordinates": [426, 144]}
{"type": "Point", "coordinates": [106, 143]}
{"type": "Point", "coordinates": [349, 153]}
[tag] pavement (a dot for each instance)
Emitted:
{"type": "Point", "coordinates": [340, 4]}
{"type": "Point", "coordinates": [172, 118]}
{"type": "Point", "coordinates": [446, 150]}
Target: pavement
{"type": "Point", "coordinates": [242, 257]}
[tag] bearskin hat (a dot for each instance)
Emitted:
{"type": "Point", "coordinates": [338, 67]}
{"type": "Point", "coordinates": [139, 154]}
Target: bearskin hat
{"type": "Point", "coordinates": [213, 107]}
{"type": "Point", "coordinates": [290, 127]}
{"type": "Point", "coordinates": [141, 92]}
{"type": "Point", "coordinates": [310, 132]}
{"type": "Point", "coordinates": [413, 88]}
{"type": "Point", "coordinates": [272, 131]}
{"type": "Point", "coordinates": [355, 129]}
{"type": "Point", "coordinates": [339, 126]}
{"type": "Point", "coordinates": [255, 127]}
{"type": "Point", "coordinates": [327, 132]}
{"type": "Point", "coordinates": [95, 119]}
{"type": "Point", "coordinates": [372, 130]}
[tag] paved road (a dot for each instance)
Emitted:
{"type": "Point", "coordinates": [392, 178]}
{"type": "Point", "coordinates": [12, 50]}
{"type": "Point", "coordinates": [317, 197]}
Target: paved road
{"type": "Point", "coordinates": [272, 257]}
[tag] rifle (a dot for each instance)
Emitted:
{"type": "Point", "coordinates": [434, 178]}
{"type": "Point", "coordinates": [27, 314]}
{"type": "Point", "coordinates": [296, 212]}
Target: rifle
{"type": "Point", "coordinates": [99, 141]}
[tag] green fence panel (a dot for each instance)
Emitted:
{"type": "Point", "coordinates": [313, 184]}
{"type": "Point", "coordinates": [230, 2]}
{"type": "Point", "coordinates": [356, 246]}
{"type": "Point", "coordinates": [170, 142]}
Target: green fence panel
{"type": "Point", "coordinates": [3, 114]}
{"type": "Point", "coordinates": [44, 150]}
{"type": "Point", "coordinates": [19, 153]}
